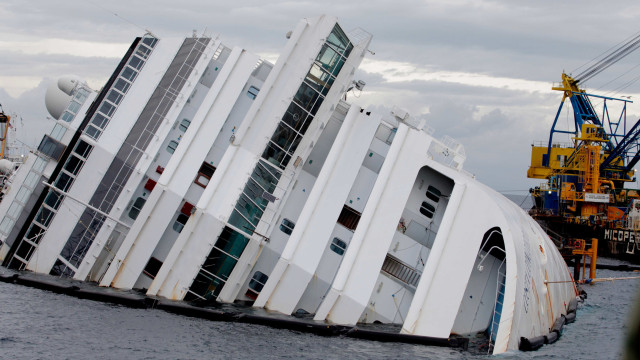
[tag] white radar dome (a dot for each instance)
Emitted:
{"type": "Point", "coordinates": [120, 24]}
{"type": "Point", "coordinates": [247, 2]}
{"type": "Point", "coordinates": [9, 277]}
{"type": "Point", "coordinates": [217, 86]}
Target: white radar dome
{"type": "Point", "coordinates": [59, 94]}
{"type": "Point", "coordinates": [6, 166]}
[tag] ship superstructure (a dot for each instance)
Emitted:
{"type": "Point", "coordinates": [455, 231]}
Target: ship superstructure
{"type": "Point", "coordinates": [202, 173]}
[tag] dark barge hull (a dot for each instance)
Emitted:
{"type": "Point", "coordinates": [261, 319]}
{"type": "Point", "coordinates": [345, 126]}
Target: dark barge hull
{"type": "Point", "coordinates": [616, 243]}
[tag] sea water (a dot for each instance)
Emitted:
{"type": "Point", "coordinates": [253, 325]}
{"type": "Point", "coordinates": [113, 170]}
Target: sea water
{"type": "Point", "coordinates": [37, 324]}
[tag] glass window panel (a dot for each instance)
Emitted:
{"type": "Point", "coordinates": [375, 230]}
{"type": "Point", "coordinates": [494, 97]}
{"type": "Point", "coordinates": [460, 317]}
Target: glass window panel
{"type": "Point", "coordinates": [178, 225]}
{"type": "Point", "coordinates": [171, 147]}
{"type": "Point", "coordinates": [135, 62]}
{"type": "Point", "coordinates": [81, 95]}
{"type": "Point", "coordinates": [67, 116]}
{"type": "Point", "coordinates": [14, 210]}
{"type": "Point", "coordinates": [338, 246]}
{"type": "Point", "coordinates": [253, 92]}
{"type": "Point", "coordinates": [73, 165]}
{"type": "Point", "coordinates": [64, 181]}
{"type": "Point", "coordinates": [107, 109]}
{"type": "Point", "coordinates": [306, 97]}
{"type": "Point", "coordinates": [184, 125]}
{"type": "Point", "coordinates": [249, 209]}
{"type": "Point", "coordinates": [347, 52]}
{"type": "Point", "coordinates": [149, 41]}
{"type": "Point", "coordinates": [23, 195]}
{"type": "Point", "coordinates": [122, 85]}
{"type": "Point", "coordinates": [295, 117]}
{"type": "Point", "coordinates": [267, 178]}
{"type": "Point", "coordinates": [240, 222]}
{"type": "Point", "coordinates": [319, 79]}
{"type": "Point", "coordinates": [274, 154]}
{"type": "Point", "coordinates": [287, 226]}
{"type": "Point", "coordinates": [284, 136]}
{"type": "Point", "coordinates": [92, 131]}
{"type": "Point", "coordinates": [83, 149]}
{"type": "Point", "coordinates": [51, 147]}
{"type": "Point", "coordinates": [257, 281]}
{"type": "Point", "coordinates": [6, 225]}
{"type": "Point", "coordinates": [433, 194]}
{"type": "Point", "coordinates": [143, 52]}
{"type": "Point", "coordinates": [327, 58]}
{"type": "Point", "coordinates": [74, 106]}
{"type": "Point", "coordinates": [427, 209]}
{"type": "Point", "coordinates": [24, 250]}
{"type": "Point", "coordinates": [136, 207]}
{"type": "Point", "coordinates": [44, 216]}
{"type": "Point", "coordinates": [100, 121]}
{"type": "Point", "coordinates": [338, 38]}
{"type": "Point", "coordinates": [338, 66]}
{"type": "Point", "coordinates": [39, 165]}
{"type": "Point", "coordinates": [128, 73]}
{"type": "Point", "coordinates": [31, 180]}
{"type": "Point", "coordinates": [114, 96]}
{"type": "Point", "coordinates": [58, 131]}
{"type": "Point", "coordinates": [53, 199]}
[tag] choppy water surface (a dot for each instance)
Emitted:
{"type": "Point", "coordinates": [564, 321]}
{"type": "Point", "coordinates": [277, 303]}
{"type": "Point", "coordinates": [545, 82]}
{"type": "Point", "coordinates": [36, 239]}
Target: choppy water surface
{"type": "Point", "coordinates": [37, 324]}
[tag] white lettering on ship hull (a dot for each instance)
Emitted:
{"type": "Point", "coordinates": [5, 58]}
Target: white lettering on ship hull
{"type": "Point", "coordinates": [631, 238]}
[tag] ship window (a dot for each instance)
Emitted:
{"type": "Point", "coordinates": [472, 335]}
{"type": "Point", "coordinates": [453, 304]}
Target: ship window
{"type": "Point", "coordinates": [171, 148]}
{"type": "Point", "coordinates": [128, 73]}
{"type": "Point", "coordinates": [83, 149]}
{"type": "Point", "coordinates": [178, 225]}
{"type": "Point", "coordinates": [204, 174]}
{"type": "Point", "coordinates": [64, 181]}
{"type": "Point", "coordinates": [100, 120]}
{"type": "Point", "coordinates": [152, 268]}
{"type": "Point", "coordinates": [427, 209]}
{"type": "Point", "coordinates": [73, 107]}
{"type": "Point", "coordinates": [114, 97]}
{"type": "Point", "coordinates": [184, 125]}
{"type": "Point", "coordinates": [122, 85]}
{"type": "Point", "coordinates": [67, 116]}
{"type": "Point", "coordinates": [349, 218]}
{"type": "Point", "coordinates": [149, 41]}
{"type": "Point", "coordinates": [135, 208]}
{"type": "Point", "coordinates": [257, 281]}
{"type": "Point", "coordinates": [338, 246]}
{"type": "Point", "coordinates": [53, 199]}
{"type": "Point", "coordinates": [51, 147]}
{"type": "Point", "coordinates": [58, 131]}
{"type": "Point", "coordinates": [433, 194]}
{"type": "Point", "coordinates": [287, 226]}
{"type": "Point", "coordinates": [73, 165]}
{"type": "Point", "coordinates": [107, 109]}
{"type": "Point", "coordinates": [136, 62]}
{"type": "Point", "coordinates": [253, 92]}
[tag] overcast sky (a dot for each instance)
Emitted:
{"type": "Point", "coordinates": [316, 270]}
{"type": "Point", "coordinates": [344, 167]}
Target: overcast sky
{"type": "Point", "coordinates": [478, 71]}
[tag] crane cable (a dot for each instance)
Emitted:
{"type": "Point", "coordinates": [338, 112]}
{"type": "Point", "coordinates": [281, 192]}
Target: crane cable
{"type": "Point", "coordinates": [616, 55]}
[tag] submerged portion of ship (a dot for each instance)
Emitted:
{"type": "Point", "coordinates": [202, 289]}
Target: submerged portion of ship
{"type": "Point", "coordinates": [202, 173]}
{"type": "Point", "coordinates": [584, 196]}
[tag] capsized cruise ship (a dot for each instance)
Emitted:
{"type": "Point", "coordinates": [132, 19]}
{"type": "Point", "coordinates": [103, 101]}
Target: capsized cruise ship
{"type": "Point", "coordinates": [200, 172]}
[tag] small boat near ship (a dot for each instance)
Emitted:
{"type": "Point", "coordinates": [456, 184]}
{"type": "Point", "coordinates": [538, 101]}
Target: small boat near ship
{"type": "Point", "coordinates": [203, 173]}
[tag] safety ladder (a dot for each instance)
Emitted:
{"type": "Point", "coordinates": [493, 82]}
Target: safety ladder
{"type": "Point", "coordinates": [497, 308]}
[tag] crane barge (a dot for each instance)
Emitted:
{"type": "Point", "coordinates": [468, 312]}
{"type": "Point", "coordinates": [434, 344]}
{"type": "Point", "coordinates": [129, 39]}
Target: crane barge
{"type": "Point", "coordinates": [584, 196]}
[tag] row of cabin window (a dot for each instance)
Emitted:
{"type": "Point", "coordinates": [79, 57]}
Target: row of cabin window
{"type": "Point", "coordinates": [178, 225]}
{"type": "Point", "coordinates": [184, 124]}
{"type": "Point", "coordinates": [426, 208]}
{"type": "Point", "coordinates": [337, 246]}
